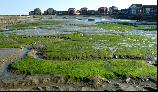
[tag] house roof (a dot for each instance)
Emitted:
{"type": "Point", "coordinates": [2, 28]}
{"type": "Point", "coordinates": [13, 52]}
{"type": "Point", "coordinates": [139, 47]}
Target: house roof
{"type": "Point", "coordinates": [137, 5]}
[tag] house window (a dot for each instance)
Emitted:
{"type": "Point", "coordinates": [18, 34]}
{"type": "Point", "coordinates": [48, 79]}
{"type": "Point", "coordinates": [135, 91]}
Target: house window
{"type": "Point", "coordinates": [133, 11]}
{"type": "Point", "coordinates": [147, 10]}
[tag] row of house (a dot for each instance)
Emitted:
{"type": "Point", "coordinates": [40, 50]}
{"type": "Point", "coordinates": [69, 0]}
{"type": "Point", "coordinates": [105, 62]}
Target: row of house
{"type": "Point", "coordinates": [71, 11]}
{"type": "Point", "coordinates": [133, 10]}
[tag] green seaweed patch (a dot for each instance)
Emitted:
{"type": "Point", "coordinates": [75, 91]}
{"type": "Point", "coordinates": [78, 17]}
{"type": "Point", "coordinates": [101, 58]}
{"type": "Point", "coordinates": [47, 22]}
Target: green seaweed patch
{"type": "Point", "coordinates": [74, 50]}
{"type": "Point", "coordinates": [86, 69]}
{"type": "Point", "coordinates": [132, 68]}
{"type": "Point", "coordinates": [127, 27]}
{"type": "Point", "coordinates": [78, 70]}
{"type": "Point", "coordinates": [135, 52]}
{"type": "Point", "coordinates": [32, 25]}
{"type": "Point", "coordinates": [16, 41]}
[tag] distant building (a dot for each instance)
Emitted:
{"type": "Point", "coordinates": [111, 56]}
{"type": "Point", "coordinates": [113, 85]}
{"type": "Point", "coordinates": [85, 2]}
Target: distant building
{"type": "Point", "coordinates": [31, 13]}
{"type": "Point", "coordinates": [102, 10]}
{"type": "Point", "coordinates": [83, 11]}
{"type": "Point", "coordinates": [149, 9]}
{"type": "Point", "coordinates": [61, 12]}
{"type": "Point", "coordinates": [49, 11]}
{"type": "Point", "coordinates": [135, 9]}
{"type": "Point", "coordinates": [140, 12]}
{"type": "Point", "coordinates": [36, 11]}
{"type": "Point", "coordinates": [91, 12]}
{"type": "Point", "coordinates": [113, 10]}
{"type": "Point", "coordinates": [124, 11]}
{"type": "Point", "coordinates": [71, 11]}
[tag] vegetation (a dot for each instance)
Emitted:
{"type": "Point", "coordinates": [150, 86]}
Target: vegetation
{"type": "Point", "coordinates": [86, 47]}
{"type": "Point", "coordinates": [135, 68]}
{"type": "Point", "coordinates": [79, 46]}
{"type": "Point", "coordinates": [16, 41]}
{"type": "Point", "coordinates": [84, 69]}
{"type": "Point", "coordinates": [127, 27]}
{"type": "Point", "coordinates": [31, 25]}
{"type": "Point", "coordinates": [147, 27]}
{"type": "Point", "coordinates": [135, 52]}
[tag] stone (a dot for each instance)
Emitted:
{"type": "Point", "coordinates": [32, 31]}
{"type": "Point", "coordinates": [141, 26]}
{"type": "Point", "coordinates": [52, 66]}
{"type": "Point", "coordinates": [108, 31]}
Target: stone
{"type": "Point", "coordinates": [125, 87]}
{"type": "Point", "coordinates": [87, 89]}
{"type": "Point", "coordinates": [34, 81]}
{"type": "Point", "coordinates": [56, 88]}
{"type": "Point", "coordinates": [128, 80]}
{"type": "Point", "coordinates": [38, 88]}
{"type": "Point", "coordinates": [99, 81]}
{"type": "Point", "coordinates": [45, 80]}
{"type": "Point", "coordinates": [58, 79]}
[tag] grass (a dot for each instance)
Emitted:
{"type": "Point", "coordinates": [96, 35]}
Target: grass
{"type": "Point", "coordinates": [127, 27]}
{"type": "Point", "coordinates": [40, 24]}
{"type": "Point", "coordinates": [147, 27]}
{"type": "Point", "coordinates": [135, 52]}
{"type": "Point", "coordinates": [74, 50]}
{"type": "Point", "coordinates": [16, 41]}
{"type": "Point", "coordinates": [117, 27]}
{"type": "Point", "coordinates": [85, 69]}
{"type": "Point", "coordinates": [134, 68]}
{"type": "Point", "coordinates": [88, 47]}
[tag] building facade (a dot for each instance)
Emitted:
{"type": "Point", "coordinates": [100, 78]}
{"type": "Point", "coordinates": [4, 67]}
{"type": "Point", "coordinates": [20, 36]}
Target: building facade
{"type": "Point", "coordinates": [71, 11]}
{"type": "Point", "coordinates": [113, 10]}
{"type": "Point", "coordinates": [83, 11]}
{"type": "Point", "coordinates": [50, 11]}
{"type": "Point", "coordinates": [149, 10]}
{"type": "Point", "coordinates": [102, 10]}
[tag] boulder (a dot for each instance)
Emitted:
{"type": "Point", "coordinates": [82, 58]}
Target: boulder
{"type": "Point", "coordinates": [99, 81]}
{"type": "Point", "coordinates": [58, 79]}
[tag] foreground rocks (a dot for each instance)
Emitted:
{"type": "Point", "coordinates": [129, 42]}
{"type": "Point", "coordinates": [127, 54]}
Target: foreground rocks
{"type": "Point", "coordinates": [58, 83]}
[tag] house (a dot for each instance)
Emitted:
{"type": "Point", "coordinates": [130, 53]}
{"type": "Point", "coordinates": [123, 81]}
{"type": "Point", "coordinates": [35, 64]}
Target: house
{"type": "Point", "coordinates": [49, 11]}
{"type": "Point", "coordinates": [61, 12]}
{"type": "Point", "coordinates": [31, 13]}
{"type": "Point", "coordinates": [91, 12]}
{"type": "Point", "coordinates": [149, 10]}
{"type": "Point", "coordinates": [102, 10]}
{"type": "Point", "coordinates": [124, 11]}
{"type": "Point", "coordinates": [135, 9]}
{"type": "Point", "coordinates": [113, 10]}
{"type": "Point", "coordinates": [83, 11]}
{"type": "Point", "coordinates": [71, 11]}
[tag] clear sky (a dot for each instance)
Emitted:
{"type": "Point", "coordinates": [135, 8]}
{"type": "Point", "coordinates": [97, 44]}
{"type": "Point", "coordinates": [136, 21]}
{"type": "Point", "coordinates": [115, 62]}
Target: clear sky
{"type": "Point", "coordinates": [14, 7]}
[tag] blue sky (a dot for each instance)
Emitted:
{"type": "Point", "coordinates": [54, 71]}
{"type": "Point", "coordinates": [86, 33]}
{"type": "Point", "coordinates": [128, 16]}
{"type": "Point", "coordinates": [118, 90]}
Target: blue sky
{"type": "Point", "coordinates": [13, 7]}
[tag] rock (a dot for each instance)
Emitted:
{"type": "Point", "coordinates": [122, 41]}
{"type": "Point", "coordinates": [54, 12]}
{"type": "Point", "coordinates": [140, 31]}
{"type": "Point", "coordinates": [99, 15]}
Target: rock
{"type": "Point", "coordinates": [45, 80]}
{"type": "Point", "coordinates": [47, 88]}
{"type": "Point", "coordinates": [125, 87]}
{"type": "Point", "coordinates": [128, 80]}
{"type": "Point", "coordinates": [23, 83]}
{"type": "Point", "coordinates": [38, 88]}
{"type": "Point", "coordinates": [56, 88]}
{"type": "Point", "coordinates": [99, 81]}
{"type": "Point", "coordinates": [155, 59]}
{"type": "Point", "coordinates": [58, 79]}
{"type": "Point", "coordinates": [33, 80]}
{"type": "Point", "coordinates": [87, 89]}
{"type": "Point", "coordinates": [150, 88]}
{"type": "Point", "coordinates": [70, 88]}
{"type": "Point", "coordinates": [153, 80]}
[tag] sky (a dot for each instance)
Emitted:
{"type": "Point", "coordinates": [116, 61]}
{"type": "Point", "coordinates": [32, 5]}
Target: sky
{"type": "Point", "coordinates": [20, 7]}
